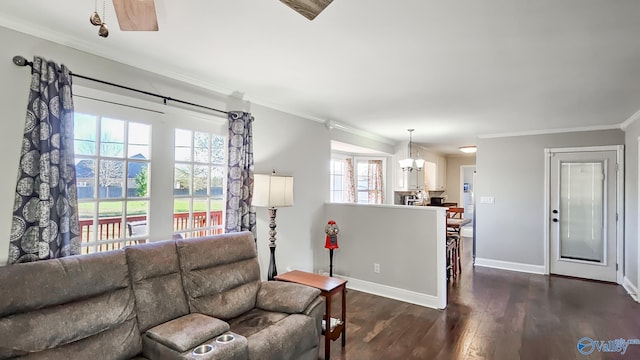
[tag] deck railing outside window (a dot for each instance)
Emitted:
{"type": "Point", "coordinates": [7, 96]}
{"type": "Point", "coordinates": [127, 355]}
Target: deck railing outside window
{"type": "Point", "coordinates": [110, 228]}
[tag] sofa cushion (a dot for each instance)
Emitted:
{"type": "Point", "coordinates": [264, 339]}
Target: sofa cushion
{"type": "Point", "coordinates": [285, 340]}
{"type": "Point", "coordinates": [186, 332]}
{"type": "Point", "coordinates": [285, 297]}
{"type": "Point", "coordinates": [157, 284]}
{"type": "Point", "coordinates": [73, 307]}
{"type": "Point", "coordinates": [254, 321]}
{"type": "Point", "coordinates": [221, 275]}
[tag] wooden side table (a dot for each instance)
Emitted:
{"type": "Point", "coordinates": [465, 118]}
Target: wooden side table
{"type": "Point", "coordinates": [328, 287]}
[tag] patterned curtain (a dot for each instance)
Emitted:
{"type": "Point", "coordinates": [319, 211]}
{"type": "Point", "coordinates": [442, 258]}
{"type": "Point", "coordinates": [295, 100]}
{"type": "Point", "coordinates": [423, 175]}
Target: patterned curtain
{"type": "Point", "coordinates": [45, 211]}
{"type": "Point", "coordinates": [240, 215]}
{"type": "Point", "coordinates": [375, 185]}
{"type": "Point", "coordinates": [351, 181]}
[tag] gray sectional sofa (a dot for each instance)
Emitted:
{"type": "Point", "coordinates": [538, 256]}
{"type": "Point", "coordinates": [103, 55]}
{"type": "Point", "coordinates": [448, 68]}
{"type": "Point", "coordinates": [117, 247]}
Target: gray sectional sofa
{"type": "Point", "coordinates": [159, 300]}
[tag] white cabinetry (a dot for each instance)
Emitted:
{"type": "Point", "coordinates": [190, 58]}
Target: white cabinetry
{"type": "Point", "coordinates": [435, 174]}
{"type": "Point", "coordinates": [432, 177]}
{"type": "Point", "coordinates": [441, 173]}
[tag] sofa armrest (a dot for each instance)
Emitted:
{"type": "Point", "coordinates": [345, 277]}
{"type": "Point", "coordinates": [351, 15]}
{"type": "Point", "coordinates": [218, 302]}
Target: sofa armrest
{"type": "Point", "coordinates": [187, 331]}
{"type": "Point", "coordinates": [285, 297]}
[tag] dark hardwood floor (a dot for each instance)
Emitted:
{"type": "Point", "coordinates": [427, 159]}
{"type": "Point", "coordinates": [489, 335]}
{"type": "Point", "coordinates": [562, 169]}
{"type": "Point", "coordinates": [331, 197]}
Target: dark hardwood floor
{"type": "Point", "coordinates": [493, 314]}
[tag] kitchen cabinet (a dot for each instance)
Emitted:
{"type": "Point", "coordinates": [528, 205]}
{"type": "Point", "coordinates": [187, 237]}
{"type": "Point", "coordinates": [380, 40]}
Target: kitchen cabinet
{"type": "Point", "coordinates": [432, 177]}
{"type": "Point", "coordinates": [410, 180]}
{"type": "Point", "coordinates": [441, 173]}
{"type": "Point", "coordinates": [435, 174]}
{"type": "Point", "coordinates": [406, 180]}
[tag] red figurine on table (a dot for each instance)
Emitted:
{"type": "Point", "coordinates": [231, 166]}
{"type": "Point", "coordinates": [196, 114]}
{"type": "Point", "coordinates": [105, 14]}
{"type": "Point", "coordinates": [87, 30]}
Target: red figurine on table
{"type": "Point", "coordinates": [332, 230]}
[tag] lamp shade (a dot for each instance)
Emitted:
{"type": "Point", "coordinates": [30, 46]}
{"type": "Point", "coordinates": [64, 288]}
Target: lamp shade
{"type": "Point", "coordinates": [272, 191]}
{"type": "Point", "coordinates": [406, 163]}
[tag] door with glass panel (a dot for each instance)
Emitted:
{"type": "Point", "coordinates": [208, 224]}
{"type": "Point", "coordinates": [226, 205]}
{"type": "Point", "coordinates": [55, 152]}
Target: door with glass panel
{"type": "Point", "coordinates": [583, 214]}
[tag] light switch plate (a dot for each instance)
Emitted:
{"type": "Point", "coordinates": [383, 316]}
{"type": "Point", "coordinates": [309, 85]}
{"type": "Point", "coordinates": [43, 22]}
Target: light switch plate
{"type": "Point", "coordinates": [487, 200]}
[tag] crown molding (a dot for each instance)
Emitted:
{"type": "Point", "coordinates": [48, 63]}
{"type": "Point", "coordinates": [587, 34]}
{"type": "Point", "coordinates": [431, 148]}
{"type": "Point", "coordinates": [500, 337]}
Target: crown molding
{"type": "Point", "coordinates": [550, 131]}
{"type": "Point", "coordinates": [89, 48]}
{"type": "Point", "coordinates": [331, 125]}
{"type": "Point", "coordinates": [630, 120]}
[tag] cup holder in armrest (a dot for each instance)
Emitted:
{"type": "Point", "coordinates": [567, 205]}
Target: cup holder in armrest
{"type": "Point", "coordinates": [225, 338]}
{"type": "Point", "coordinates": [203, 349]}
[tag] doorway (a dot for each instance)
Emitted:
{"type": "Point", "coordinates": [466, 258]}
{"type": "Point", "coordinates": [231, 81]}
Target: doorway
{"type": "Point", "coordinates": [584, 212]}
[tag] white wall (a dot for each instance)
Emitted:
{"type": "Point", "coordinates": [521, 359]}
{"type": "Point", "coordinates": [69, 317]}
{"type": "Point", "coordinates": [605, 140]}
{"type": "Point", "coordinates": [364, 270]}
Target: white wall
{"type": "Point", "coordinates": [290, 144]}
{"type": "Point", "coordinates": [511, 169]}
{"type": "Point", "coordinates": [300, 148]}
{"type": "Point", "coordinates": [407, 241]}
{"type": "Point", "coordinates": [631, 269]}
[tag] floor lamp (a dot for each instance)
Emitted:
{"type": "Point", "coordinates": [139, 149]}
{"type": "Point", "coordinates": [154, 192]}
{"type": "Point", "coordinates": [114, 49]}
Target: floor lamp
{"type": "Point", "coordinates": [272, 191]}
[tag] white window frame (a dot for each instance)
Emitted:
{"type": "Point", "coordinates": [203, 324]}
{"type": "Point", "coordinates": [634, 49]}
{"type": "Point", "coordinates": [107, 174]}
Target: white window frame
{"type": "Point", "coordinates": [337, 157]}
{"type": "Point", "coordinates": [208, 228]}
{"type": "Point", "coordinates": [365, 159]}
{"type": "Point", "coordinates": [356, 159]}
{"type": "Point", "coordinates": [164, 120]}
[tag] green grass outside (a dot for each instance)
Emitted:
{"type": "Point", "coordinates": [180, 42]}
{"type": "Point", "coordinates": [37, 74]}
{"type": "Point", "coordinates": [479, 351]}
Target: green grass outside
{"type": "Point", "coordinates": [139, 207]}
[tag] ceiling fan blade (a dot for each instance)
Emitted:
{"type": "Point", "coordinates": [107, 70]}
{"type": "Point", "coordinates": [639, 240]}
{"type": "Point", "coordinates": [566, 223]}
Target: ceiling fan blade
{"type": "Point", "coordinates": [307, 8]}
{"type": "Point", "coordinates": [136, 15]}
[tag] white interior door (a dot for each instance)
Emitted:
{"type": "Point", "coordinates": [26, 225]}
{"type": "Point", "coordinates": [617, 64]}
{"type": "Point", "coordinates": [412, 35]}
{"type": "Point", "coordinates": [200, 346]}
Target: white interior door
{"type": "Point", "coordinates": [582, 229]}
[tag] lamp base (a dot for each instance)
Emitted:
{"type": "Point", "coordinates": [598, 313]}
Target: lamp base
{"type": "Point", "coordinates": [271, 274]}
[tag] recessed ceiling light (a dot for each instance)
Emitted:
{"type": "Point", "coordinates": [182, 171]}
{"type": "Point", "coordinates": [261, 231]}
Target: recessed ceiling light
{"type": "Point", "coordinates": [468, 149]}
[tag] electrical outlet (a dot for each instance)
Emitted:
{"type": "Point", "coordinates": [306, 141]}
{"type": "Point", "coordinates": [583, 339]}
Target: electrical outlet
{"type": "Point", "coordinates": [376, 268]}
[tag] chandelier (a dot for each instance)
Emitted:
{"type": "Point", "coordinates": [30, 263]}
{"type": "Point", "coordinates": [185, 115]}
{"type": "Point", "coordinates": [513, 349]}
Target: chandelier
{"type": "Point", "coordinates": [410, 164]}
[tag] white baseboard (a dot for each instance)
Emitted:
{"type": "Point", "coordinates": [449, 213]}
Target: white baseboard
{"type": "Point", "coordinates": [512, 266]}
{"type": "Point", "coordinates": [631, 289]}
{"type": "Point", "coordinates": [391, 292]}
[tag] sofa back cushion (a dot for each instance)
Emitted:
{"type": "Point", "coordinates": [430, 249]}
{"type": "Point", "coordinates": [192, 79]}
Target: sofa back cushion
{"type": "Point", "coordinates": [157, 284]}
{"type": "Point", "coordinates": [220, 274]}
{"type": "Point", "coordinates": [74, 307]}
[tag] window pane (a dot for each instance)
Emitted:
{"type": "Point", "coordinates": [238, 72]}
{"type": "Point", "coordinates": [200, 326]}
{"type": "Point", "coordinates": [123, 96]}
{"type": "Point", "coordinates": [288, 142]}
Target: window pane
{"type": "Point", "coordinates": [110, 220]}
{"type": "Point", "coordinates": [85, 178]}
{"type": "Point", "coordinates": [217, 181]}
{"type": "Point", "coordinates": [201, 147]}
{"type": "Point", "coordinates": [182, 180]}
{"type": "Point", "coordinates": [217, 149]}
{"type": "Point", "coordinates": [139, 140]}
{"type": "Point", "coordinates": [181, 205]}
{"type": "Point", "coordinates": [137, 218]}
{"type": "Point", "coordinates": [138, 209]}
{"type": "Point", "coordinates": [86, 210]}
{"type": "Point", "coordinates": [138, 179]}
{"type": "Point", "coordinates": [216, 206]}
{"type": "Point", "coordinates": [199, 213]}
{"type": "Point", "coordinates": [84, 134]}
{"type": "Point", "coordinates": [582, 202]}
{"type": "Point", "coordinates": [200, 180]}
{"type": "Point", "coordinates": [112, 138]}
{"type": "Point", "coordinates": [111, 178]}
{"type": "Point", "coordinates": [183, 145]}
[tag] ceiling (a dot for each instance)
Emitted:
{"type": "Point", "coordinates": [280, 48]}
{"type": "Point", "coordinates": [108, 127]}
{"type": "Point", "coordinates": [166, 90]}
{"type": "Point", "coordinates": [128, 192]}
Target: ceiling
{"type": "Point", "coordinates": [453, 70]}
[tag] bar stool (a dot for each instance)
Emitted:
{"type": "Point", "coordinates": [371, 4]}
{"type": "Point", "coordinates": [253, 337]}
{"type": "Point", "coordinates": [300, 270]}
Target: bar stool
{"type": "Point", "coordinates": [453, 256]}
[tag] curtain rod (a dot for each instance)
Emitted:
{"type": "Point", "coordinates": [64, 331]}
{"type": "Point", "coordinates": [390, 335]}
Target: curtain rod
{"type": "Point", "coordinates": [21, 61]}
